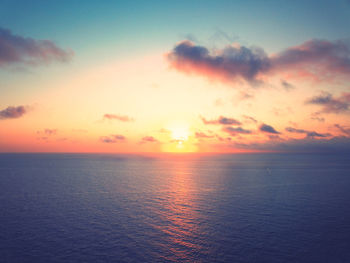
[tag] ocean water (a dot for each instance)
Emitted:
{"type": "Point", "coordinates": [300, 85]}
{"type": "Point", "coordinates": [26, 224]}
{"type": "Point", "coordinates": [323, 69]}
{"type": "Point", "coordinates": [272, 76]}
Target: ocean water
{"type": "Point", "coordinates": [183, 208]}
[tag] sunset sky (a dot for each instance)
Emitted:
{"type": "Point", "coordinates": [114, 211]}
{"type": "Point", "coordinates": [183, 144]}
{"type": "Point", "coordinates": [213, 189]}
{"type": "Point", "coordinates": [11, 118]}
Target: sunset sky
{"type": "Point", "coordinates": [174, 76]}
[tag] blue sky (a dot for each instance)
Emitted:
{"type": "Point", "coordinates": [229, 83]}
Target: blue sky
{"type": "Point", "coordinates": [152, 24]}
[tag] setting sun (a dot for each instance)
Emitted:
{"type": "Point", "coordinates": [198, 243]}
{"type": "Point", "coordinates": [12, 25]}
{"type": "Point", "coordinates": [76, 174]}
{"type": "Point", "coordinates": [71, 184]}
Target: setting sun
{"type": "Point", "coordinates": [179, 134]}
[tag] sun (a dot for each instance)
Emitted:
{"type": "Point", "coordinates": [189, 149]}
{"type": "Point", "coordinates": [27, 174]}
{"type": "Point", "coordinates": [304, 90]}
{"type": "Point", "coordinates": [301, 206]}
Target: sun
{"type": "Point", "coordinates": [179, 134]}
{"type": "Point", "coordinates": [180, 139]}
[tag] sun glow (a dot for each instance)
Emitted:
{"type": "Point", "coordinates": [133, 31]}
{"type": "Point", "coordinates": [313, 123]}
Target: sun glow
{"type": "Point", "coordinates": [179, 134]}
{"type": "Point", "coordinates": [180, 139]}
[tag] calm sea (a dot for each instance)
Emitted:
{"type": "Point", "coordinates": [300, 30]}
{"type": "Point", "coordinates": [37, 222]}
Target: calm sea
{"type": "Point", "coordinates": [219, 208]}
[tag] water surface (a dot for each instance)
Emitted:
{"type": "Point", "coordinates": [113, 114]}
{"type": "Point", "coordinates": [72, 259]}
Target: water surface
{"type": "Point", "coordinates": [220, 208]}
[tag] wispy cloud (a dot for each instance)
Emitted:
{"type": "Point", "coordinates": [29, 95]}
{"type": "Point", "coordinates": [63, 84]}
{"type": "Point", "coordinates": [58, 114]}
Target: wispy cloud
{"type": "Point", "coordinates": [50, 131]}
{"type": "Point", "coordinates": [112, 138]}
{"type": "Point", "coordinates": [123, 118]}
{"type": "Point", "coordinates": [221, 121]}
{"type": "Point", "coordinates": [233, 131]}
{"type": "Point", "coordinates": [165, 131]}
{"type": "Point", "coordinates": [343, 129]}
{"type": "Point", "coordinates": [202, 135]}
{"type": "Point", "coordinates": [46, 134]}
{"type": "Point", "coordinates": [243, 95]}
{"type": "Point", "coordinates": [310, 134]}
{"type": "Point", "coordinates": [317, 117]}
{"type": "Point", "coordinates": [286, 85]}
{"type": "Point", "coordinates": [13, 112]}
{"type": "Point", "coordinates": [148, 139]}
{"type": "Point", "coordinates": [315, 56]}
{"type": "Point", "coordinates": [332, 104]}
{"type": "Point", "coordinates": [25, 50]}
{"type": "Point", "coordinates": [249, 119]}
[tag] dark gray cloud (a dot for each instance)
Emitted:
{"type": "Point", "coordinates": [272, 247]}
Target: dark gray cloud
{"type": "Point", "coordinates": [332, 104]}
{"type": "Point", "coordinates": [310, 134]}
{"type": "Point", "coordinates": [227, 64]}
{"type": "Point", "coordinates": [268, 129]}
{"type": "Point", "coordinates": [112, 138]}
{"type": "Point", "coordinates": [222, 121]}
{"type": "Point", "coordinates": [18, 49]}
{"type": "Point", "coordinates": [123, 118]}
{"type": "Point", "coordinates": [12, 112]}
{"type": "Point", "coordinates": [238, 62]}
{"type": "Point", "coordinates": [233, 131]}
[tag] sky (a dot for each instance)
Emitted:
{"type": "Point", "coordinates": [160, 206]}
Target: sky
{"type": "Point", "coordinates": [175, 76]}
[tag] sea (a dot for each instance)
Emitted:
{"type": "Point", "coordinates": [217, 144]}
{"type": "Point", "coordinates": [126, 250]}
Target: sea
{"type": "Point", "coordinates": [264, 207]}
